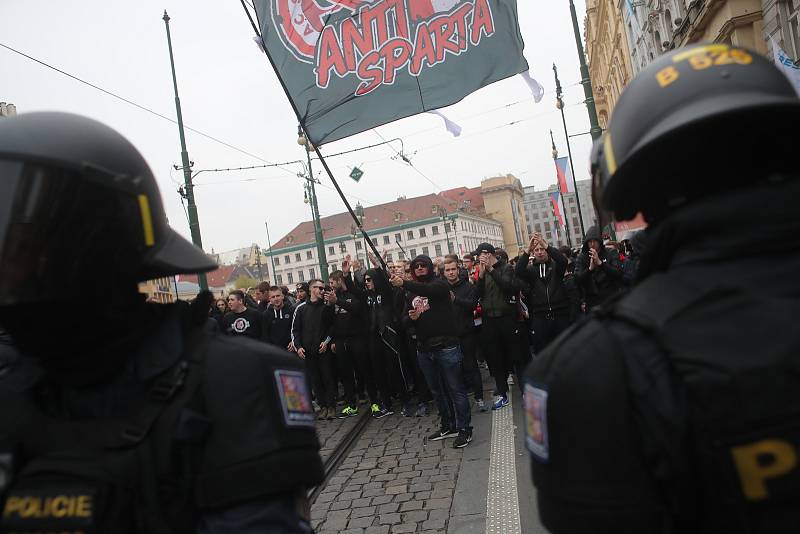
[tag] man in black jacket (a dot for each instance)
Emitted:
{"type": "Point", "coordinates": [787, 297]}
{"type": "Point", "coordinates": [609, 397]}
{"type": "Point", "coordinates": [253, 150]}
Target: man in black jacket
{"type": "Point", "coordinates": [312, 331]}
{"type": "Point", "coordinates": [349, 343]}
{"type": "Point", "coordinates": [547, 298]}
{"type": "Point", "coordinates": [598, 272]}
{"type": "Point", "coordinates": [383, 342]}
{"type": "Point", "coordinates": [465, 297]}
{"type": "Point", "coordinates": [241, 320]}
{"type": "Point", "coordinates": [499, 290]}
{"type": "Point", "coordinates": [438, 348]}
{"type": "Point", "coordinates": [278, 320]}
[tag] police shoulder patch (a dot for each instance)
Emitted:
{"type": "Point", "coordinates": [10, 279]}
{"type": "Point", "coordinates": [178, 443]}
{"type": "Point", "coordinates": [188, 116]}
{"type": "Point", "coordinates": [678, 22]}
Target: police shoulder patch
{"type": "Point", "coordinates": [295, 398]}
{"type": "Point", "coordinates": [536, 437]}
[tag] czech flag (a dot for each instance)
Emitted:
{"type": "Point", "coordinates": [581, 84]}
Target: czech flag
{"type": "Point", "coordinates": [564, 172]}
{"type": "Point", "coordinates": [555, 200]}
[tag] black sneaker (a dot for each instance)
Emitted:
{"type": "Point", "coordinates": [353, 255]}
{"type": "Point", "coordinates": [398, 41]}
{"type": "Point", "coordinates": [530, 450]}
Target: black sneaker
{"type": "Point", "coordinates": [443, 434]}
{"type": "Point", "coordinates": [464, 437]}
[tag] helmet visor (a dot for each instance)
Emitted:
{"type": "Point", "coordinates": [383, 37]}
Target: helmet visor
{"type": "Point", "coordinates": [61, 230]}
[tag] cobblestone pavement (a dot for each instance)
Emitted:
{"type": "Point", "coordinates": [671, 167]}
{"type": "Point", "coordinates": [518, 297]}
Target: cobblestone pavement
{"type": "Point", "coordinates": [330, 433]}
{"type": "Point", "coordinates": [393, 481]}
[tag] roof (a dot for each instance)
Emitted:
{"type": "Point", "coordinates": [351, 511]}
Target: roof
{"type": "Point", "coordinates": [398, 212]}
{"type": "Point", "coordinates": [471, 195]}
{"type": "Point", "coordinates": [219, 277]}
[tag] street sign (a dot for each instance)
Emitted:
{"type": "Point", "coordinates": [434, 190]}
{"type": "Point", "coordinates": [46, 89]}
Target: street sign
{"type": "Point", "coordinates": [356, 174]}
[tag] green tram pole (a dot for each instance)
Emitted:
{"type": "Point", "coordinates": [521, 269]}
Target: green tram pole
{"type": "Point", "coordinates": [194, 222]}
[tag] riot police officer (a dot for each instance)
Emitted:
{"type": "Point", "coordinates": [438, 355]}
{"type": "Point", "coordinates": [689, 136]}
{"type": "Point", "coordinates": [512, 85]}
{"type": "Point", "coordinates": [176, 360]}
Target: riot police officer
{"type": "Point", "coordinates": [675, 408]}
{"type": "Point", "coordinates": [127, 416]}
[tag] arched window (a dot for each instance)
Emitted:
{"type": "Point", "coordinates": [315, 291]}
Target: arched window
{"type": "Point", "coordinates": [668, 22]}
{"type": "Point", "coordinates": [657, 37]}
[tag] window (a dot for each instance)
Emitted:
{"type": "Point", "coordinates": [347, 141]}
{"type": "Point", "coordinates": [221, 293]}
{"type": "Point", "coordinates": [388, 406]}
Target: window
{"type": "Point", "coordinates": [311, 274]}
{"type": "Point", "coordinates": [389, 257]}
{"type": "Point", "coordinates": [538, 227]}
{"type": "Point", "coordinates": [425, 251]}
{"type": "Point", "coordinates": [398, 237]}
{"type": "Point", "coordinates": [331, 251]}
{"type": "Point", "coordinates": [300, 276]}
{"type": "Point", "coordinates": [401, 256]}
{"type": "Point", "coordinates": [573, 209]}
{"type": "Point", "coordinates": [435, 230]}
{"type": "Point", "coordinates": [286, 261]}
{"type": "Point", "coordinates": [297, 257]}
{"type": "Point", "coordinates": [422, 232]}
{"type": "Point", "coordinates": [290, 278]}
{"type": "Point", "coordinates": [792, 39]}
{"type": "Point", "coordinates": [279, 279]}
{"type": "Point", "coordinates": [309, 255]}
{"type": "Point", "coordinates": [410, 234]}
{"type": "Point", "coordinates": [547, 225]}
{"type": "Point", "coordinates": [342, 247]}
{"type": "Point", "coordinates": [333, 267]}
{"type": "Point", "coordinates": [437, 249]}
{"type": "Point", "coordinates": [413, 253]}
{"type": "Point", "coordinates": [575, 223]}
{"type": "Point", "coordinates": [277, 260]}
{"type": "Point", "coordinates": [358, 245]}
{"type": "Point", "coordinates": [535, 215]}
{"type": "Point", "coordinates": [386, 240]}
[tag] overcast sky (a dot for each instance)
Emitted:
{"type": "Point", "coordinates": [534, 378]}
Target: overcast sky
{"type": "Point", "coordinates": [228, 91]}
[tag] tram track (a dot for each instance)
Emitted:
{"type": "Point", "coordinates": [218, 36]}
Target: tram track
{"type": "Point", "coordinates": [339, 453]}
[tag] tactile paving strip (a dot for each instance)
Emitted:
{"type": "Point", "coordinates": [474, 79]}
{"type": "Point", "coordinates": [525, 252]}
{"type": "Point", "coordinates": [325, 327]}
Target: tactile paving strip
{"type": "Point", "coordinates": [502, 502]}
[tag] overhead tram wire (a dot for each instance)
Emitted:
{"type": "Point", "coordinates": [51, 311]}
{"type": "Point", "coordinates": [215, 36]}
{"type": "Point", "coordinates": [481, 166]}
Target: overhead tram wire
{"type": "Point", "coordinates": [139, 106]}
{"type": "Point", "coordinates": [405, 158]}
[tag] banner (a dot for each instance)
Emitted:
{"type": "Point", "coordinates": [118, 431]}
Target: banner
{"type": "Point", "coordinates": [351, 65]}
{"type": "Point", "coordinates": [785, 63]}
{"type": "Point", "coordinates": [557, 206]}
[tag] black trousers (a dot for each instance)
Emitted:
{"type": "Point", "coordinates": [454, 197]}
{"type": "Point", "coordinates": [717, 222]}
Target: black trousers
{"type": "Point", "coordinates": [390, 377]}
{"type": "Point", "coordinates": [353, 358]}
{"type": "Point", "coordinates": [421, 389]}
{"type": "Point", "coordinates": [548, 326]}
{"type": "Point", "coordinates": [320, 370]}
{"type": "Point", "coordinates": [500, 341]}
{"type": "Point", "coordinates": [472, 375]}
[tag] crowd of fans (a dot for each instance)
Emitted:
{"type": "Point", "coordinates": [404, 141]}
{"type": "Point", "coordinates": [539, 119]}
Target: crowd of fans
{"type": "Point", "coordinates": [419, 331]}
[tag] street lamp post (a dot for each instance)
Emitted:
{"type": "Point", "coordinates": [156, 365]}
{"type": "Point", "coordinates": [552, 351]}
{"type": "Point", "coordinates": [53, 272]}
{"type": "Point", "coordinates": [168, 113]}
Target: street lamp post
{"type": "Point", "coordinates": [194, 222]}
{"type": "Point", "coordinates": [595, 131]}
{"type": "Point", "coordinates": [560, 106]}
{"type": "Point", "coordinates": [441, 211]}
{"type": "Point", "coordinates": [312, 198]}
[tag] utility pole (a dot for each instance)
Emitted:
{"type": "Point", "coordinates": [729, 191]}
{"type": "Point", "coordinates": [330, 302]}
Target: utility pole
{"type": "Point", "coordinates": [258, 264]}
{"type": "Point", "coordinates": [271, 259]}
{"type": "Point", "coordinates": [563, 204]}
{"type": "Point", "coordinates": [312, 193]}
{"type": "Point", "coordinates": [595, 131]}
{"type": "Point", "coordinates": [560, 106]}
{"type": "Point", "coordinates": [194, 222]}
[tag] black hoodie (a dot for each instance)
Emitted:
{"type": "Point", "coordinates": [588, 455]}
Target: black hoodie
{"type": "Point", "coordinates": [436, 326]}
{"type": "Point", "coordinates": [603, 282]}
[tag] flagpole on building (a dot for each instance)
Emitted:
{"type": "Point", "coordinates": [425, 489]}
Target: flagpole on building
{"type": "Point", "coordinates": [312, 145]}
{"type": "Point", "coordinates": [560, 106]}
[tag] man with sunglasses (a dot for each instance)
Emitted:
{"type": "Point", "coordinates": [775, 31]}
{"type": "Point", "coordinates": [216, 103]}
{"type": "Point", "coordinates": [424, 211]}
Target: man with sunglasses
{"type": "Point", "coordinates": [438, 350]}
{"type": "Point", "coordinates": [312, 331]}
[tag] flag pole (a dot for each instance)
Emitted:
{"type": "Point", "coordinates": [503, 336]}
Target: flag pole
{"type": "Point", "coordinates": [567, 227]}
{"type": "Point", "coordinates": [312, 145]}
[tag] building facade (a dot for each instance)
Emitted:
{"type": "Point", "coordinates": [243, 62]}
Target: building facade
{"type": "Point", "coordinates": [503, 200]}
{"type": "Point", "coordinates": [782, 23]}
{"type": "Point", "coordinates": [433, 225]}
{"type": "Point", "coordinates": [541, 219]}
{"type": "Point", "coordinates": [608, 53]}
{"type": "Point", "coordinates": [162, 290]}
{"type": "Point", "coordinates": [657, 26]}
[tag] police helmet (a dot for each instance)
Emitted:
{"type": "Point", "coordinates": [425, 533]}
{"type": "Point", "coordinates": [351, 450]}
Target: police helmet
{"type": "Point", "coordinates": [698, 120]}
{"type": "Point", "coordinates": [79, 210]}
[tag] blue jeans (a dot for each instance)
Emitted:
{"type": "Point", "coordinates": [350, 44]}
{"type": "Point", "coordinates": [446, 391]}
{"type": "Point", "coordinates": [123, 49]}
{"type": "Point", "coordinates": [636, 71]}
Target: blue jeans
{"type": "Point", "coordinates": [442, 370]}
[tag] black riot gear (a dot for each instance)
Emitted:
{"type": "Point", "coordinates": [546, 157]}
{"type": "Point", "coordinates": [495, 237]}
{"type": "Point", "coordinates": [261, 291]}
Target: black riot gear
{"type": "Point", "coordinates": [697, 119]}
{"type": "Point", "coordinates": [80, 207]}
{"type": "Point", "coordinates": [674, 408]}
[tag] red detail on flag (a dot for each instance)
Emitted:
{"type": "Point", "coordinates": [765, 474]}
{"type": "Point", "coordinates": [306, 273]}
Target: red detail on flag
{"type": "Point", "coordinates": [564, 174]}
{"type": "Point", "coordinates": [554, 197]}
